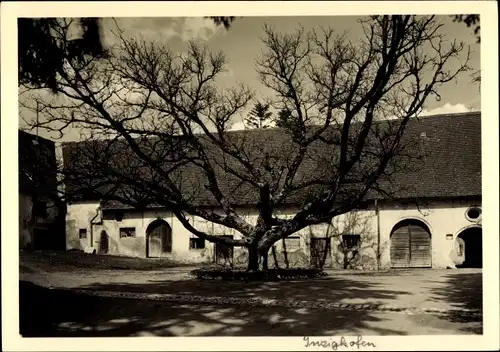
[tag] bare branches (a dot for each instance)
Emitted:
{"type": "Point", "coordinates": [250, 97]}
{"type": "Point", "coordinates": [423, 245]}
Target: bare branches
{"type": "Point", "coordinates": [143, 90]}
{"type": "Point", "coordinates": [343, 108]}
{"type": "Point", "coordinates": [401, 62]}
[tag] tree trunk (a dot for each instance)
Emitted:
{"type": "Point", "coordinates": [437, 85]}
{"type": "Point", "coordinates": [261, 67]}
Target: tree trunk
{"type": "Point", "coordinates": [264, 261]}
{"type": "Point", "coordinates": [346, 259]}
{"type": "Point", "coordinates": [326, 251]}
{"type": "Point", "coordinates": [285, 253]}
{"type": "Point", "coordinates": [276, 264]}
{"type": "Point", "coordinates": [253, 258]}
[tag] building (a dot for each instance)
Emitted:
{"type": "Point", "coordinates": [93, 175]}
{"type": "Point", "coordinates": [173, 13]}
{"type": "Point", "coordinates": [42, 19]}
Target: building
{"type": "Point", "coordinates": [432, 221]}
{"type": "Point", "coordinates": [41, 212]}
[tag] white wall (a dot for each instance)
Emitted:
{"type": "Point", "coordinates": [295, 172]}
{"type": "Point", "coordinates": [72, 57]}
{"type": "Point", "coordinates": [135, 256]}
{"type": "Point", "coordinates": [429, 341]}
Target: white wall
{"type": "Point", "coordinates": [441, 217]}
{"type": "Point", "coordinates": [137, 246]}
{"type": "Point", "coordinates": [78, 216]}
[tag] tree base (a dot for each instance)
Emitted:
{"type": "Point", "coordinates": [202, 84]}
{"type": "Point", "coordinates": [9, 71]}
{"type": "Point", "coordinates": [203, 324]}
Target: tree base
{"type": "Point", "coordinates": [228, 274]}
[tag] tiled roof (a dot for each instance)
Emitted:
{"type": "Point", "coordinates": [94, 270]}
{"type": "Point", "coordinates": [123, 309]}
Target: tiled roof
{"type": "Point", "coordinates": [452, 163]}
{"type": "Point", "coordinates": [451, 166]}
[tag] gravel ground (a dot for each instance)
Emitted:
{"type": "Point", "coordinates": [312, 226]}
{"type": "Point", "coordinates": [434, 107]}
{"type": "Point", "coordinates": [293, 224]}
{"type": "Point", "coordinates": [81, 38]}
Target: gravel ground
{"type": "Point", "coordinates": [52, 313]}
{"type": "Point", "coordinates": [431, 289]}
{"type": "Point", "coordinates": [394, 302]}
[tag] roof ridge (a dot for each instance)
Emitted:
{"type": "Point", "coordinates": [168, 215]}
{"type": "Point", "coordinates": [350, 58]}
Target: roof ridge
{"type": "Point", "coordinates": [451, 114]}
{"type": "Point", "coordinates": [280, 129]}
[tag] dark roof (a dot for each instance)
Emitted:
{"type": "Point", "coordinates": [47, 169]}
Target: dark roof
{"type": "Point", "coordinates": [451, 166]}
{"type": "Point", "coordinates": [37, 164]}
{"type": "Point", "coordinates": [452, 163]}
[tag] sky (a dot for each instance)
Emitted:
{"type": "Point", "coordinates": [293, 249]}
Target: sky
{"type": "Point", "coordinates": [242, 44]}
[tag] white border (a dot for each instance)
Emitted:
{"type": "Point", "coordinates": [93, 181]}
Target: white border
{"type": "Point", "coordinates": [489, 106]}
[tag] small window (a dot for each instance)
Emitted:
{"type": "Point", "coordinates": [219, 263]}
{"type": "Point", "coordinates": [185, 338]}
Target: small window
{"type": "Point", "coordinates": [82, 233]}
{"type": "Point", "coordinates": [473, 213]}
{"type": "Point", "coordinates": [196, 243]}
{"type": "Point", "coordinates": [40, 209]}
{"type": "Point", "coordinates": [127, 232]}
{"type": "Point", "coordinates": [351, 241]}
{"type": "Point", "coordinates": [291, 243]}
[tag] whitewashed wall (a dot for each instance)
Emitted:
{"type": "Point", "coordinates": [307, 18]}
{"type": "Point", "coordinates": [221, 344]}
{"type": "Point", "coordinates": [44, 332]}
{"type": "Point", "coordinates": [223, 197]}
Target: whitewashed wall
{"type": "Point", "coordinates": [442, 218]}
{"type": "Point", "coordinates": [78, 216]}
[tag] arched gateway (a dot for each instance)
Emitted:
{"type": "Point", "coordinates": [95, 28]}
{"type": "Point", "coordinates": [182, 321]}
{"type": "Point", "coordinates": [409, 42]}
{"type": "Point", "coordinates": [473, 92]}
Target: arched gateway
{"type": "Point", "coordinates": [411, 245]}
{"type": "Point", "coordinates": [158, 239]}
{"type": "Point", "coordinates": [471, 247]}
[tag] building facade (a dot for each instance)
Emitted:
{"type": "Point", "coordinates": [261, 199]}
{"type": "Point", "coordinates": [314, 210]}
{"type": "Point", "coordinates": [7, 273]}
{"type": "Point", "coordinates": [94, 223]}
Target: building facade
{"type": "Point", "coordinates": [41, 213]}
{"type": "Point", "coordinates": [439, 235]}
{"type": "Point", "coordinates": [436, 224]}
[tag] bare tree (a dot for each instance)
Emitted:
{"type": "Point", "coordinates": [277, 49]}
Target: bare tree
{"type": "Point", "coordinates": [345, 242]}
{"type": "Point", "coordinates": [474, 22]}
{"type": "Point", "coordinates": [166, 113]}
{"type": "Point", "coordinates": [356, 240]}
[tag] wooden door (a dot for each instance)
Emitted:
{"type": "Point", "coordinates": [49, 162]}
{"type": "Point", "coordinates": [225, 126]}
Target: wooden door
{"type": "Point", "coordinates": [420, 247]}
{"type": "Point", "coordinates": [320, 251]}
{"type": "Point", "coordinates": [400, 248]}
{"type": "Point", "coordinates": [411, 247]}
{"type": "Point", "coordinates": [224, 253]}
{"type": "Point", "coordinates": [103, 243]}
{"type": "Point", "coordinates": [159, 240]}
{"type": "Point", "coordinates": [155, 244]}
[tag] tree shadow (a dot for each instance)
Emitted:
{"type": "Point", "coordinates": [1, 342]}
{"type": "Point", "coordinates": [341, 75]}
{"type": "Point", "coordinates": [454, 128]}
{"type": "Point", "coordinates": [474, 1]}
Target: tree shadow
{"type": "Point", "coordinates": [48, 313]}
{"type": "Point", "coordinates": [51, 312]}
{"type": "Point", "coordinates": [372, 273]}
{"type": "Point", "coordinates": [329, 289]}
{"type": "Point", "coordinates": [462, 291]}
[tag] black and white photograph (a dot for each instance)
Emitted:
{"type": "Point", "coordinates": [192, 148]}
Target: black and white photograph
{"type": "Point", "coordinates": [316, 176]}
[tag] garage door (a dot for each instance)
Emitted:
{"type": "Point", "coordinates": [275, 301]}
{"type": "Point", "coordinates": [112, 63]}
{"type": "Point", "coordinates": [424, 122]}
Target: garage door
{"type": "Point", "coordinates": [411, 246]}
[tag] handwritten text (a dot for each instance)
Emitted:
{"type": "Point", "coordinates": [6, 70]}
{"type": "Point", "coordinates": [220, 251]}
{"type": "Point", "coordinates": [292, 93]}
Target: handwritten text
{"type": "Point", "coordinates": [336, 344]}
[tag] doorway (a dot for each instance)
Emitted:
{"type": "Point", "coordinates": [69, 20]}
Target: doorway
{"type": "Point", "coordinates": [411, 245]}
{"type": "Point", "coordinates": [472, 247]}
{"type": "Point", "coordinates": [158, 239]}
{"type": "Point", "coordinates": [104, 243]}
{"type": "Point", "coordinates": [224, 253]}
{"type": "Point", "coordinates": [320, 252]}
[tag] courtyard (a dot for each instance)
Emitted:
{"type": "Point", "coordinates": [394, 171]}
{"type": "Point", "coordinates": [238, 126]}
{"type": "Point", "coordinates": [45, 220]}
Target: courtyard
{"type": "Point", "coordinates": [147, 298]}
